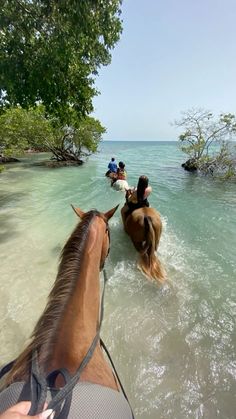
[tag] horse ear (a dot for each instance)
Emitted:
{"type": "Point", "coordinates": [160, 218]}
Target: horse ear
{"type": "Point", "coordinates": [111, 212]}
{"type": "Point", "coordinates": [78, 211]}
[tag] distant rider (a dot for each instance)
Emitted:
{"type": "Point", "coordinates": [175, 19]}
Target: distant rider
{"type": "Point", "coordinates": [121, 173]}
{"type": "Point", "coordinates": [112, 167]}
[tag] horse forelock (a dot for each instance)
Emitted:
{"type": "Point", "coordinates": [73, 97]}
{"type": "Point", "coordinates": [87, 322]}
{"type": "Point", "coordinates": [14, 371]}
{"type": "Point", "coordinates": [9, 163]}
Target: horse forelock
{"type": "Point", "coordinates": [45, 331]}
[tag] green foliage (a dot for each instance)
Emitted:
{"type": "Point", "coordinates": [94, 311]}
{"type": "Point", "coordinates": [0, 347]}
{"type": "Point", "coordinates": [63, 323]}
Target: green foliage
{"type": "Point", "coordinates": [203, 135]}
{"type": "Point", "coordinates": [50, 52]}
{"type": "Point", "coordinates": [222, 164]}
{"type": "Point", "coordinates": [88, 136]}
{"type": "Point", "coordinates": [77, 141]}
{"type": "Point", "coordinates": [21, 129]}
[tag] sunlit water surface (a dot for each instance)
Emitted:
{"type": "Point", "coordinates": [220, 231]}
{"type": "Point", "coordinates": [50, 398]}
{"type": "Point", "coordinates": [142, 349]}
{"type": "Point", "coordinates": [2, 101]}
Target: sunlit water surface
{"type": "Point", "coordinates": [174, 346]}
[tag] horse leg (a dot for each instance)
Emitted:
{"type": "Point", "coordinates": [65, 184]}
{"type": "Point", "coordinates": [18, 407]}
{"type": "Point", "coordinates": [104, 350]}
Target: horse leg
{"type": "Point", "coordinates": [124, 216]}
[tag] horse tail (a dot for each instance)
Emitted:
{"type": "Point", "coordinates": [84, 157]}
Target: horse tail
{"type": "Point", "coordinates": [148, 260]}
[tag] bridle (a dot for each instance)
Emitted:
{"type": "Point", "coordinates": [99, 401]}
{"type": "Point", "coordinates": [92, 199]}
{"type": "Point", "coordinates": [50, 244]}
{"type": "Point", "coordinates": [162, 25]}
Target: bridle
{"type": "Point", "coordinates": [65, 393]}
{"type": "Point", "coordinates": [109, 235]}
{"type": "Point", "coordinates": [109, 238]}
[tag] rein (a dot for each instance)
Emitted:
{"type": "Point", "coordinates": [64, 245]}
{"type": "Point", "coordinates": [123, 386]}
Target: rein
{"type": "Point", "coordinates": [37, 387]}
{"type": "Point", "coordinates": [39, 384]}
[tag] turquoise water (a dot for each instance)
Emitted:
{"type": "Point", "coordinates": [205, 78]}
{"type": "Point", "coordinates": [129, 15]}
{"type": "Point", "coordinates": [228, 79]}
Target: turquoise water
{"type": "Point", "coordinates": [174, 347]}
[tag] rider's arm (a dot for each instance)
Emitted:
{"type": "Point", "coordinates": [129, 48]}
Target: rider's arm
{"type": "Point", "coordinates": [148, 190]}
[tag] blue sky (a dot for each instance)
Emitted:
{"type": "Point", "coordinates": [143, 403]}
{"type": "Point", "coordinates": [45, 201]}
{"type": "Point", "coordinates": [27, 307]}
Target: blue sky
{"type": "Point", "coordinates": [172, 55]}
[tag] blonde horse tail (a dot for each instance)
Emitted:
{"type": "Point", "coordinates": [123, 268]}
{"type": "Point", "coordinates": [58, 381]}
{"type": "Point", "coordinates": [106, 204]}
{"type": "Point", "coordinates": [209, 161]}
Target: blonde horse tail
{"type": "Point", "coordinates": [148, 260]}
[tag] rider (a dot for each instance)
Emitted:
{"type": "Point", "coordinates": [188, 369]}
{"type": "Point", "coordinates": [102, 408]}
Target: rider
{"type": "Point", "coordinates": [121, 173]}
{"type": "Point", "coordinates": [112, 166]}
{"type": "Point", "coordinates": [137, 198]}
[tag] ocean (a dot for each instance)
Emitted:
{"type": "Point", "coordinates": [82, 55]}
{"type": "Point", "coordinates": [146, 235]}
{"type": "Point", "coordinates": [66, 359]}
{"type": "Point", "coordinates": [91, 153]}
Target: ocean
{"type": "Point", "coordinates": [174, 346]}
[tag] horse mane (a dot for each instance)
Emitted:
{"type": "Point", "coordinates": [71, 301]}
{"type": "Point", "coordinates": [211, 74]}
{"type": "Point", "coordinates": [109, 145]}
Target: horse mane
{"type": "Point", "coordinates": [47, 326]}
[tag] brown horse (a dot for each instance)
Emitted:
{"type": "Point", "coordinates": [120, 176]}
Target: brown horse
{"type": "Point", "coordinates": [144, 227]}
{"type": "Point", "coordinates": [66, 337]}
{"type": "Point", "coordinates": [111, 175]}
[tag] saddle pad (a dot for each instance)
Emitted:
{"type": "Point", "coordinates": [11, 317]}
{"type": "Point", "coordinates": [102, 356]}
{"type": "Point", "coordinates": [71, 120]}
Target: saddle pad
{"type": "Point", "coordinates": [89, 401]}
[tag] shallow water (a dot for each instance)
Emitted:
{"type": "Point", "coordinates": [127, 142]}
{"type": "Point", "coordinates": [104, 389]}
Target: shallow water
{"type": "Point", "coordinates": [174, 346]}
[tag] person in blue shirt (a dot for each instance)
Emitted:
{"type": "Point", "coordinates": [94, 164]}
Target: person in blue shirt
{"type": "Point", "coordinates": [112, 167]}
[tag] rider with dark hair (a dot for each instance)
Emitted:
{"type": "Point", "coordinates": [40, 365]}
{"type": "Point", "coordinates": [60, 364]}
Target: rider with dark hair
{"type": "Point", "coordinates": [121, 173]}
{"type": "Point", "coordinates": [137, 198]}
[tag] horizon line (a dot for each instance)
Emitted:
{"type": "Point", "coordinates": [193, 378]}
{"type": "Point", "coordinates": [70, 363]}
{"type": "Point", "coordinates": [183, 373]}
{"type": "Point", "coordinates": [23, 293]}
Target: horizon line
{"type": "Point", "coordinates": [112, 139]}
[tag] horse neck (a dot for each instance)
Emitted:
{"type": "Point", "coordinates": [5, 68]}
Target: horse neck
{"type": "Point", "coordinates": [64, 330]}
{"type": "Point", "coordinates": [78, 324]}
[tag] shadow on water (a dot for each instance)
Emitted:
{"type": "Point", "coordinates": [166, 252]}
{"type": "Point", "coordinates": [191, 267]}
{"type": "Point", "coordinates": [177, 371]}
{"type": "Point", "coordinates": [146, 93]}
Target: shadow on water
{"type": "Point", "coordinates": [56, 251]}
{"type": "Point", "coordinates": [7, 225]}
{"type": "Point", "coordinates": [10, 197]}
{"type": "Point", "coordinates": [7, 231]}
{"type": "Point", "coordinates": [10, 328]}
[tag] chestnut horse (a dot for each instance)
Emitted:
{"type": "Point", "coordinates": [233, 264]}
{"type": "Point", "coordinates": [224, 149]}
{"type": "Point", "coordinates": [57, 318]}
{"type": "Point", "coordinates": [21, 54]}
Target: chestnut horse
{"type": "Point", "coordinates": [144, 227]}
{"type": "Point", "coordinates": [111, 175]}
{"type": "Point", "coordinates": [66, 345]}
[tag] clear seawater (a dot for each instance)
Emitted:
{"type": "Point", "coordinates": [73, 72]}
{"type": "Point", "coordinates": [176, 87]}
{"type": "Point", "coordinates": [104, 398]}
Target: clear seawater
{"type": "Point", "coordinates": [174, 346]}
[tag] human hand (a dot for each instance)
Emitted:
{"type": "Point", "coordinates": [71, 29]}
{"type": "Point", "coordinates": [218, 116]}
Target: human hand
{"type": "Point", "coordinates": [20, 411]}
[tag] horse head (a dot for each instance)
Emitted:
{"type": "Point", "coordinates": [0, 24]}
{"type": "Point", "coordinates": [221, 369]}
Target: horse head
{"type": "Point", "coordinates": [106, 241]}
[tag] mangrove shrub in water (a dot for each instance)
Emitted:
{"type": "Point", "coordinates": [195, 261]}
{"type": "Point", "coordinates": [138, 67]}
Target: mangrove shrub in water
{"type": "Point", "coordinates": [207, 141]}
{"type": "Point", "coordinates": [22, 129]}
